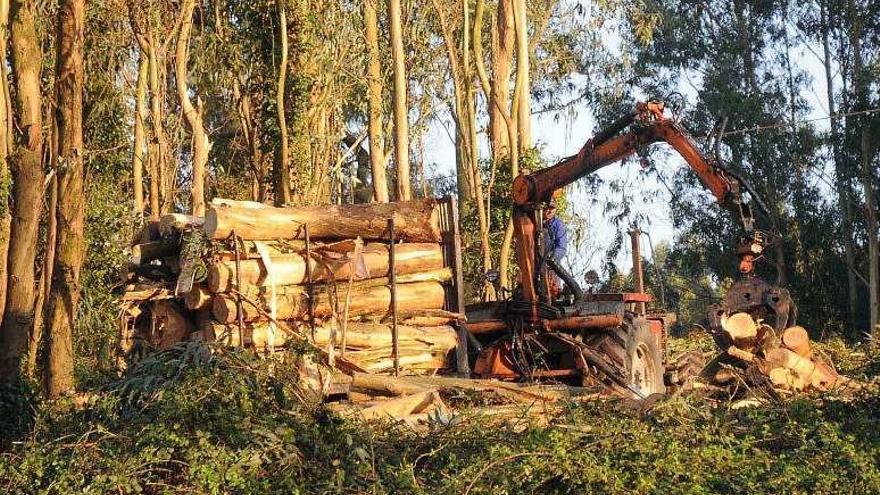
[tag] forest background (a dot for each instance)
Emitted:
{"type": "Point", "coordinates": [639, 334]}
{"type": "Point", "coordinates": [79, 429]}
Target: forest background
{"type": "Point", "coordinates": [117, 112]}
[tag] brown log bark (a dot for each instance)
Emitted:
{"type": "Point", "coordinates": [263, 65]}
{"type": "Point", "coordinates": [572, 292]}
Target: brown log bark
{"type": "Point", "coordinates": [797, 339]}
{"type": "Point", "coordinates": [63, 300]}
{"type": "Point", "coordinates": [414, 221]}
{"type": "Point", "coordinates": [290, 269]}
{"type": "Point", "coordinates": [27, 172]}
{"type": "Point", "coordinates": [170, 326]}
{"type": "Point", "coordinates": [373, 301]}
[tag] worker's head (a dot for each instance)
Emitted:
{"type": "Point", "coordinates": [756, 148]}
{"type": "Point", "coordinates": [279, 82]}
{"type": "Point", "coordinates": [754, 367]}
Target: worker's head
{"type": "Point", "coordinates": [550, 210]}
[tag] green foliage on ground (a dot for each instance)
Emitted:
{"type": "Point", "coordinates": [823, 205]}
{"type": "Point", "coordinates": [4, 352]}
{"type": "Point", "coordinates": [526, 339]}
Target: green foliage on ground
{"type": "Point", "coordinates": [187, 421]}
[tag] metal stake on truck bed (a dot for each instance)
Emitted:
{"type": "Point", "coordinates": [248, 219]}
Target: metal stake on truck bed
{"type": "Point", "coordinates": [392, 283]}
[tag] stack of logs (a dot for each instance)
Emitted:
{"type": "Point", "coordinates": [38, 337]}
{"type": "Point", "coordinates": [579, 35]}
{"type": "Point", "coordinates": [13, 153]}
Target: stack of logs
{"type": "Point", "coordinates": [785, 358]}
{"type": "Point", "coordinates": [257, 276]}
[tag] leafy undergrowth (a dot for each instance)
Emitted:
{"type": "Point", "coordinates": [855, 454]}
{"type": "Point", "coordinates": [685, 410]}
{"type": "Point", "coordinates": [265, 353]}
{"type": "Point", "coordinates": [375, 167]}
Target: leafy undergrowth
{"type": "Point", "coordinates": [188, 422]}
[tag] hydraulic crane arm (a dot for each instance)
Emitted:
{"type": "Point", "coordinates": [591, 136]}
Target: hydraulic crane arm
{"type": "Point", "coordinates": [645, 126]}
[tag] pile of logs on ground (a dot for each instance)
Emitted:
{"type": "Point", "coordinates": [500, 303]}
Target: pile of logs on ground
{"type": "Point", "coordinates": [258, 276]}
{"type": "Point", "coordinates": [784, 360]}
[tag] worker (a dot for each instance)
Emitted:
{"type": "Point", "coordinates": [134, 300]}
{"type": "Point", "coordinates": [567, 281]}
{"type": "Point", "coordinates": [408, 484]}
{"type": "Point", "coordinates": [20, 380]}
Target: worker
{"type": "Point", "coordinates": [555, 244]}
{"type": "Point", "coordinates": [555, 233]}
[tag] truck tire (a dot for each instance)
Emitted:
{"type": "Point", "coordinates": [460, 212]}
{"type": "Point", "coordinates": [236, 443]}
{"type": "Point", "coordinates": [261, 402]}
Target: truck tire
{"type": "Point", "coordinates": [635, 350]}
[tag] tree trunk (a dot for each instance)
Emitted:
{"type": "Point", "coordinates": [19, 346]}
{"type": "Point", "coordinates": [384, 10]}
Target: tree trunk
{"type": "Point", "coordinates": [64, 295]}
{"type": "Point", "coordinates": [524, 123]}
{"type": "Point", "coordinates": [44, 285]}
{"type": "Point", "coordinates": [193, 114]}
{"type": "Point", "coordinates": [378, 158]}
{"type": "Point", "coordinates": [415, 221]}
{"type": "Point", "coordinates": [401, 109]}
{"type": "Point", "coordinates": [502, 58]}
{"type": "Point", "coordinates": [27, 173]}
{"type": "Point", "coordinates": [158, 144]}
{"type": "Point", "coordinates": [140, 140]}
{"type": "Point", "coordinates": [5, 144]}
{"type": "Point", "coordinates": [844, 199]}
{"type": "Point", "coordinates": [514, 127]}
{"type": "Point", "coordinates": [873, 241]}
{"type": "Point", "coordinates": [860, 86]}
{"type": "Point", "coordinates": [282, 172]}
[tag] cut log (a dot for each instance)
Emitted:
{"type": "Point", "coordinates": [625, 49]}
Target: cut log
{"type": "Point", "coordinates": [147, 294]}
{"type": "Point", "coordinates": [741, 354]}
{"type": "Point", "coordinates": [797, 339]}
{"type": "Point", "coordinates": [291, 269]}
{"type": "Point", "coordinates": [275, 249]}
{"type": "Point", "coordinates": [821, 377]}
{"type": "Point", "coordinates": [402, 407]}
{"type": "Point", "coordinates": [378, 365]}
{"type": "Point", "coordinates": [372, 301]}
{"type": "Point", "coordinates": [197, 298]}
{"type": "Point", "coordinates": [169, 325]}
{"type": "Point", "coordinates": [741, 329]}
{"type": "Point", "coordinates": [359, 336]}
{"type": "Point", "coordinates": [178, 223]}
{"type": "Point", "coordinates": [383, 385]}
{"type": "Point", "coordinates": [149, 232]}
{"type": "Point", "coordinates": [142, 254]}
{"type": "Point", "coordinates": [414, 221]}
{"type": "Point", "coordinates": [253, 336]}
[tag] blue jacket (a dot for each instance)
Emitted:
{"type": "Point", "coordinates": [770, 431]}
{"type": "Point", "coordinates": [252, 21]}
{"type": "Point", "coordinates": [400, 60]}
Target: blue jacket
{"type": "Point", "coordinates": [555, 238]}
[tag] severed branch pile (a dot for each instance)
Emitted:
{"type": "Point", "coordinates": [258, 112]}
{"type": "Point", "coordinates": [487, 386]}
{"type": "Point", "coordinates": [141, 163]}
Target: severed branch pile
{"type": "Point", "coordinates": [257, 276]}
{"type": "Point", "coordinates": [784, 359]}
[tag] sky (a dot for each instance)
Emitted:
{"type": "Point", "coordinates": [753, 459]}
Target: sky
{"type": "Point", "coordinates": [564, 136]}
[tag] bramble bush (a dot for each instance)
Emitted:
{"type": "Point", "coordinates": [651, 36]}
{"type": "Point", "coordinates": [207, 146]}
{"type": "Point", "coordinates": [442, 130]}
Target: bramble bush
{"type": "Point", "coordinates": [192, 421]}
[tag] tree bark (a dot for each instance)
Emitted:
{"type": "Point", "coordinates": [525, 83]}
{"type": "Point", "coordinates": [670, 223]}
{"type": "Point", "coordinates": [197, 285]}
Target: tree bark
{"type": "Point", "coordinates": [415, 221]}
{"type": "Point", "coordinates": [192, 113]}
{"type": "Point", "coordinates": [524, 123]}
{"type": "Point", "coordinates": [282, 173]}
{"type": "Point", "coordinates": [502, 60]}
{"type": "Point", "coordinates": [158, 145]}
{"type": "Point", "coordinates": [5, 145]}
{"type": "Point", "coordinates": [401, 109]}
{"type": "Point", "coordinates": [27, 173]}
{"type": "Point", "coordinates": [140, 140]}
{"type": "Point", "coordinates": [514, 127]}
{"type": "Point", "coordinates": [378, 156]}
{"type": "Point", "coordinates": [44, 285]}
{"type": "Point", "coordinates": [64, 295]}
{"type": "Point", "coordinates": [873, 241]}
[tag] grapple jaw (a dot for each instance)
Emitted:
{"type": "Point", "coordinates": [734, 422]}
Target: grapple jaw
{"type": "Point", "coordinates": [761, 300]}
